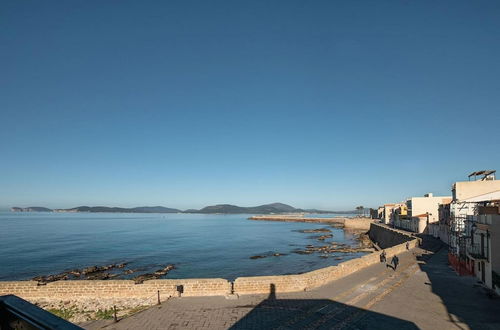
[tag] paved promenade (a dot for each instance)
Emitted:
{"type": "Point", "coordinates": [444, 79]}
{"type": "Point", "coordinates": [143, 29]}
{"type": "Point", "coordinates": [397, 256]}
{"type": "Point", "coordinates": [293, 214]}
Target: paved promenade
{"type": "Point", "coordinates": [423, 293]}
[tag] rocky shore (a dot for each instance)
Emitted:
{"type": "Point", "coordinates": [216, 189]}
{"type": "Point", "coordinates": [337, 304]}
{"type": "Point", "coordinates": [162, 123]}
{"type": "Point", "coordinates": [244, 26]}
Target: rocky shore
{"type": "Point", "coordinates": [107, 272]}
{"type": "Point", "coordinates": [332, 249]}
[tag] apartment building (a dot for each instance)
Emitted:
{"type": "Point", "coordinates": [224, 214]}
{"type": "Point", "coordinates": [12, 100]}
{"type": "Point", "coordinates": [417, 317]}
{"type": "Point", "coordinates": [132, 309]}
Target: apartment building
{"type": "Point", "coordinates": [483, 247]}
{"type": "Point", "coordinates": [420, 214]}
{"type": "Point", "coordinates": [481, 190]}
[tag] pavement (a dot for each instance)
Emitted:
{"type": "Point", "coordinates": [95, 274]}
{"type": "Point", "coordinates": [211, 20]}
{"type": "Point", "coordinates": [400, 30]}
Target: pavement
{"type": "Point", "coordinates": [422, 293]}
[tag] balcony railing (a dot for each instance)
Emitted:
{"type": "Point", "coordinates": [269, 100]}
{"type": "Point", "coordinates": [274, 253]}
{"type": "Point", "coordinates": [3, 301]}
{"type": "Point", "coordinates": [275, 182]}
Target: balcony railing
{"type": "Point", "coordinates": [476, 252]}
{"type": "Point", "coordinates": [485, 219]}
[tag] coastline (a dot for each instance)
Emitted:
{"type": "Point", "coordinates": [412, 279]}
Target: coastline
{"type": "Point", "coordinates": [127, 295]}
{"type": "Point", "coordinates": [148, 242]}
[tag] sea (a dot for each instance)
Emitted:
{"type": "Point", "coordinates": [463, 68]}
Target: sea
{"type": "Point", "coordinates": [200, 246]}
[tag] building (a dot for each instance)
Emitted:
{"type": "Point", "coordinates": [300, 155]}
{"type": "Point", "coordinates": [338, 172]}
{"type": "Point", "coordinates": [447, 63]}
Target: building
{"type": "Point", "coordinates": [468, 198]}
{"type": "Point", "coordinates": [375, 213]}
{"type": "Point", "coordinates": [420, 214]}
{"type": "Point", "coordinates": [483, 247]}
{"type": "Point", "coordinates": [444, 222]}
{"type": "Point", "coordinates": [386, 212]}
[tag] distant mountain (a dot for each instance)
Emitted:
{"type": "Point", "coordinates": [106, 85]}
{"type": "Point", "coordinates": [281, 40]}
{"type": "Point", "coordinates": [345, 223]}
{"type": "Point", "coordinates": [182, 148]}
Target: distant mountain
{"type": "Point", "coordinates": [262, 209]}
{"type": "Point", "coordinates": [275, 208]}
{"type": "Point", "coordinates": [154, 209]}
{"type": "Point", "coordinates": [30, 209]}
{"type": "Point", "coordinates": [279, 207]}
{"type": "Point", "coordinates": [141, 209]}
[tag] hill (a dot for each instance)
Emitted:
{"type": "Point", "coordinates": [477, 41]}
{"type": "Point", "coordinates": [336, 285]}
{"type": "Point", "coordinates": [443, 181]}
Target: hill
{"type": "Point", "coordinates": [273, 208]}
{"type": "Point", "coordinates": [141, 209]}
{"type": "Point", "coordinates": [30, 209]}
{"type": "Point", "coordinates": [261, 209]}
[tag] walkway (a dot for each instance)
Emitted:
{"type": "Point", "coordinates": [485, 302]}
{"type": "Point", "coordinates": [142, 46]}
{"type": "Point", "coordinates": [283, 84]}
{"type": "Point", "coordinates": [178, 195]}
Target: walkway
{"type": "Point", "coordinates": [423, 293]}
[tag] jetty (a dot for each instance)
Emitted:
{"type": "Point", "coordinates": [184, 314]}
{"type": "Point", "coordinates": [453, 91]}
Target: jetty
{"type": "Point", "coordinates": [346, 222]}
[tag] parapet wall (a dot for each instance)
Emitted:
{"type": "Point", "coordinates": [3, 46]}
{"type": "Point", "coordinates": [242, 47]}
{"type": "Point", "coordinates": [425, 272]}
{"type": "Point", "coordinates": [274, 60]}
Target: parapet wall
{"type": "Point", "coordinates": [147, 292]}
{"type": "Point", "coordinates": [386, 237]}
{"type": "Point", "coordinates": [357, 223]}
{"type": "Point", "coordinates": [115, 290]}
{"type": "Point", "coordinates": [313, 279]}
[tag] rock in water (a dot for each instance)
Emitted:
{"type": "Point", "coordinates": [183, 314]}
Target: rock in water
{"type": "Point", "coordinates": [257, 257]}
{"type": "Point", "coordinates": [319, 230]}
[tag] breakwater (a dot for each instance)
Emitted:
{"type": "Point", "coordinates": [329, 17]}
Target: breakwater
{"type": "Point", "coordinates": [128, 293]}
{"type": "Point", "coordinates": [349, 223]}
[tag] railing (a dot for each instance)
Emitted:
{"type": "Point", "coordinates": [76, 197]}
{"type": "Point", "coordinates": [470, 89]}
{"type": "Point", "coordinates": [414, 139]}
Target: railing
{"type": "Point", "coordinates": [485, 219]}
{"type": "Point", "coordinates": [476, 252]}
{"type": "Point", "coordinates": [17, 313]}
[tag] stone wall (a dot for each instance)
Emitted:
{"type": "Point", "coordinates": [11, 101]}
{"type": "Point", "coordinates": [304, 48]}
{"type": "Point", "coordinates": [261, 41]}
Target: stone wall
{"type": "Point", "coordinates": [290, 218]}
{"type": "Point", "coordinates": [114, 290]}
{"type": "Point", "coordinates": [146, 293]}
{"type": "Point", "coordinates": [350, 223]}
{"type": "Point", "coordinates": [313, 279]}
{"type": "Point", "coordinates": [386, 237]}
{"type": "Point", "coordinates": [358, 223]}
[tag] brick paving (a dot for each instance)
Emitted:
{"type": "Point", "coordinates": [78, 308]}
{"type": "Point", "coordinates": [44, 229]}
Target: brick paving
{"type": "Point", "coordinates": [422, 293]}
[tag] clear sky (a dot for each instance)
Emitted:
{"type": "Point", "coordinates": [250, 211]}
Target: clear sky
{"type": "Point", "coordinates": [325, 104]}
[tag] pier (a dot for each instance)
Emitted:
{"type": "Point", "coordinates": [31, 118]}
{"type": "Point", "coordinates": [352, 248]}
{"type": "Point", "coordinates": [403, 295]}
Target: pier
{"type": "Point", "coordinates": [345, 222]}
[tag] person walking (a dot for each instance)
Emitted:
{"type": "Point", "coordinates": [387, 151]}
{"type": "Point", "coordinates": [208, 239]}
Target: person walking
{"type": "Point", "coordinates": [383, 257]}
{"type": "Point", "coordinates": [395, 262]}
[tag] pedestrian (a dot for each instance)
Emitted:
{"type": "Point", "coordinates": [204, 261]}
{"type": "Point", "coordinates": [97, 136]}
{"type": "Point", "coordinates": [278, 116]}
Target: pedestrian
{"type": "Point", "coordinates": [395, 262]}
{"type": "Point", "coordinates": [383, 256]}
{"type": "Point", "coordinates": [407, 245]}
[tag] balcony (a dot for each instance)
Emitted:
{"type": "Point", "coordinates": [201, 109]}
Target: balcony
{"type": "Point", "coordinates": [475, 251]}
{"type": "Point", "coordinates": [485, 219]}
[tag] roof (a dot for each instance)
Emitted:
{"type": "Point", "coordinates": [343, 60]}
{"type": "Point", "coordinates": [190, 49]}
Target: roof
{"type": "Point", "coordinates": [484, 172]}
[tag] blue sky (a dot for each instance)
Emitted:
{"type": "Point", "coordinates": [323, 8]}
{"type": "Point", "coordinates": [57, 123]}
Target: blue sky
{"type": "Point", "coordinates": [325, 104]}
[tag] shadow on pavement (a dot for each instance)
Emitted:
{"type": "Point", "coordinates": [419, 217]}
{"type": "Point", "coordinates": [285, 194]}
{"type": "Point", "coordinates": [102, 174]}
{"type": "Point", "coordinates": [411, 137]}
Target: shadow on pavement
{"type": "Point", "coordinates": [274, 313]}
{"type": "Point", "coordinates": [468, 305]}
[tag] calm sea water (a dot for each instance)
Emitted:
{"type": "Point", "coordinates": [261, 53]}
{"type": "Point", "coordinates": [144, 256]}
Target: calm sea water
{"type": "Point", "coordinates": [34, 244]}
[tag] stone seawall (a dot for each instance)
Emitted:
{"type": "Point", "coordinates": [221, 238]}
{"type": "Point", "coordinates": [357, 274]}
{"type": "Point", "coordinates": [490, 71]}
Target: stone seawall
{"type": "Point", "coordinates": [316, 278]}
{"type": "Point", "coordinates": [285, 218]}
{"type": "Point", "coordinates": [351, 223]}
{"type": "Point", "coordinates": [357, 223]}
{"type": "Point", "coordinates": [115, 291]}
{"type": "Point", "coordinates": [126, 291]}
{"type": "Point", "coordinates": [386, 237]}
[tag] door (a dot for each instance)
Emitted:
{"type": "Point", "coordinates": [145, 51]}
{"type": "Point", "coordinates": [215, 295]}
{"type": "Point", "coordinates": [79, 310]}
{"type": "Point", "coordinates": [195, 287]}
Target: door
{"type": "Point", "coordinates": [482, 272]}
{"type": "Point", "coordinates": [482, 245]}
